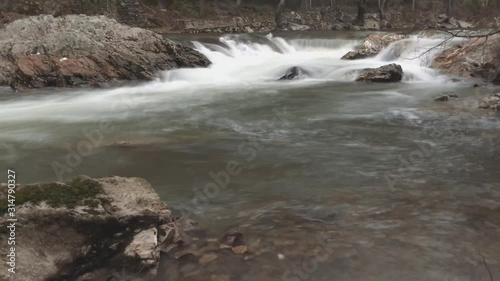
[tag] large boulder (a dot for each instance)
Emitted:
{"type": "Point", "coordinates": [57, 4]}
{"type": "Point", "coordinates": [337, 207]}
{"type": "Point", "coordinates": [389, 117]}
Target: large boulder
{"type": "Point", "coordinates": [77, 50]}
{"type": "Point", "coordinates": [387, 73]}
{"type": "Point", "coordinates": [70, 229]}
{"type": "Point", "coordinates": [373, 44]}
{"type": "Point", "coordinates": [475, 58]}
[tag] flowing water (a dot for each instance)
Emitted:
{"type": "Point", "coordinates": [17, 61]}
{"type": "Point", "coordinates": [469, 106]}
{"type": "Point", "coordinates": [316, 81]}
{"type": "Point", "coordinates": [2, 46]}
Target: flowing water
{"type": "Point", "coordinates": [329, 179]}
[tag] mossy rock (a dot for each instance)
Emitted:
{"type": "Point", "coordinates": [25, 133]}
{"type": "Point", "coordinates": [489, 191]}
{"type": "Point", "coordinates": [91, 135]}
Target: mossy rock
{"type": "Point", "coordinates": [79, 191]}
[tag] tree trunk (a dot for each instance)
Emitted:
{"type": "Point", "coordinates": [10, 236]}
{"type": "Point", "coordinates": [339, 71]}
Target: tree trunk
{"type": "Point", "coordinates": [381, 4]}
{"type": "Point", "coordinates": [201, 4]}
{"type": "Point", "coordinates": [278, 18]}
{"type": "Point", "coordinates": [238, 3]}
{"type": "Point", "coordinates": [360, 19]}
{"type": "Point", "coordinates": [413, 5]}
{"type": "Point", "coordinates": [449, 8]}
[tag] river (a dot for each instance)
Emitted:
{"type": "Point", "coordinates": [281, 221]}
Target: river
{"type": "Point", "coordinates": [389, 184]}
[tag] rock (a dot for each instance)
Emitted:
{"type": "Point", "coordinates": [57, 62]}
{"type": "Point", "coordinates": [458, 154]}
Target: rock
{"type": "Point", "coordinates": [232, 239]}
{"type": "Point", "coordinates": [208, 258]}
{"type": "Point", "coordinates": [239, 250]}
{"type": "Point", "coordinates": [143, 247]}
{"type": "Point", "coordinates": [464, 24]}
{"type": "Point", "coordinates": [453, 21]}
{"type": "Point", "coordinates": [239, 22]}
{"type": "Point", "coordinates": [77, 50]}
{"type": "Point", "coordinates": [74, 226]}
{"type": "Point", "coordinates": [372, 24]}
{"type": "Point", "coordinates": [361, 54]}
{"type": "Point", "coordinates": [491, 102]}
{"type": "Point", "coordinates": [446, 97]}
{"type": "Point", "coordinates": [373, 44]}
{"type": "Point", "coordinates": [248, 29]}
{"type": "Point", "coordinates": [293, 73]}
{"type": "Point", "coordinates": [387, 73]}
{"type": "Point", "coordinates": [298, 27]}
{"type": "Point", "coordinates": [478, 60]}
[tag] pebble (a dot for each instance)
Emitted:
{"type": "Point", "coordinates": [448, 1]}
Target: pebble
{"type": "Point", "coordinates": [240, 250]}
{"type": "Point", "coordinates": [208, 258]}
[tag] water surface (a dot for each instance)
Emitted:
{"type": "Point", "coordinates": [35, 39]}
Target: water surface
{"type": "Point", "coordinates": [392, 185]}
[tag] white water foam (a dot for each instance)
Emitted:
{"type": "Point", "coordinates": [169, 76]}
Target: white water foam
{"type": "Point", "coordinates": [238, 62]}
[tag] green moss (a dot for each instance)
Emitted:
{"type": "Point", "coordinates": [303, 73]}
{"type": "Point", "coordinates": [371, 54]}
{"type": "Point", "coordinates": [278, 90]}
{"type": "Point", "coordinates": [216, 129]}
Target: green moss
{"type": "Point", "coordinates": [78, 191]}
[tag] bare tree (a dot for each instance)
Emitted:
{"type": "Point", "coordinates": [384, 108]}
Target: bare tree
{"type": "Point", "coordinates": [381, 5]}
{"type": "Point", "coordinates": [201, 4]}
{"type": "Point", "coordinates": [413, 5]}
{"type": "Point", "coordinates": [238, 3]}
{"type": "Point", "coordinates": [450, 3]}
{"type": "Point", "coordinates": [360, 19]}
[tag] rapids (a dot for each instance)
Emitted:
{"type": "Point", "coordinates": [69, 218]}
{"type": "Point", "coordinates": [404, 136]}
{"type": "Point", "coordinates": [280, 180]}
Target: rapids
{"type": "Point", "coordinates": [402, 187]}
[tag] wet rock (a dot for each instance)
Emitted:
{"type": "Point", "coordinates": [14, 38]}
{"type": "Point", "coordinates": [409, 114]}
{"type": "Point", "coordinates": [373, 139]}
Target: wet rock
{"type": "Point", "coordinates": [491, 102]}
{"type": "Point", "coordinates": [77, 50]}
{"type": "Point", "coordinates": [143, 247]}
{"type": "Point", "coordinates": [239, 250]}
{"type": "Point", "coordinates": [464, 24]}
{"type": "Point", "coordinates": [446, 97]}
{"type": "Point", "coordinates": [78, 222]}
{"type": "Point", "coordinates": [373, 44]}
{"type": "Point", "coordinates": [208, 258]}
{"type": "Point", "coordinates": [360, 54]}
{"type": "Point", "coordinates": [387, 73]}
{"type": "Point", "coordinates": [232, 239]}
{"type": "Point", "coordinates": [293, 73]}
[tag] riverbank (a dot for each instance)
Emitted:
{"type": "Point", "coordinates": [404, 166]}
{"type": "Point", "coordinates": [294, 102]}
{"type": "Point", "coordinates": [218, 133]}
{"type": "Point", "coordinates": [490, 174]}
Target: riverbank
{"type": "Point", "coordinates": [225, 17]}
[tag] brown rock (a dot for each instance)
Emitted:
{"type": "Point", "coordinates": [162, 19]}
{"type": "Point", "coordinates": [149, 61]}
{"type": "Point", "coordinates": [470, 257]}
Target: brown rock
{"type": "Point", "coordinates": [475, 58]}
{"type": "Point", "coordinates": [78, 50]}
{"type": "Point", "coordinates": [208, 258]}
{"type": "Point", "coordinates": [233, 238]}
{"type": "Point", "coordinates": [239, 250]}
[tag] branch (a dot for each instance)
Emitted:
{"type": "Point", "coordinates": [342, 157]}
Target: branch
{"type": "Point", "coordinates": [487, 268]}
{"type": "Point", "coordinates": [469, 35]}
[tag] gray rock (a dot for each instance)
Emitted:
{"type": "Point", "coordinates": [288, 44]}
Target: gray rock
{"type": "Point", "coordinates": [373, 44]}
{"type": "Point", "coordinates": [298, 27]}
{"type": "Point", "coordinates": [86, 226]}
{"type": "Point", "coordinates": [491, 102]}
{"type": "Point", "coordinates": [361, 54]}
{"type": "Point", "coordinates": [464, 24]}
{"type": "Point", "coordinates": [95, 49]}
{"type": "Point", "coordinates": [447, 97]}
{"type": "Point", "coordinates": [387, 73]}
{"type": "Point", "coordinates": [293, 73]}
